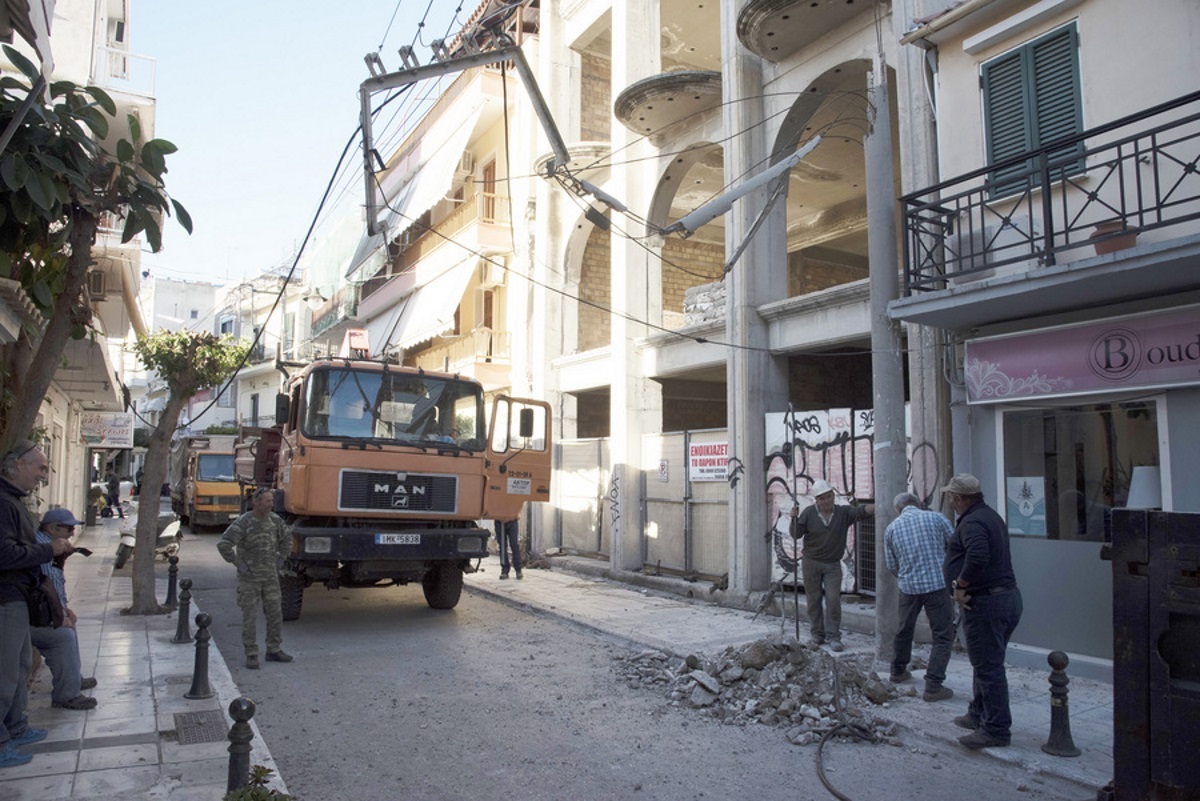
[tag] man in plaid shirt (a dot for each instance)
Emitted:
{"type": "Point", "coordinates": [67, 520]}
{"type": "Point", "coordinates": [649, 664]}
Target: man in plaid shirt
{"type": "Point", "coordinates": [915, 550]}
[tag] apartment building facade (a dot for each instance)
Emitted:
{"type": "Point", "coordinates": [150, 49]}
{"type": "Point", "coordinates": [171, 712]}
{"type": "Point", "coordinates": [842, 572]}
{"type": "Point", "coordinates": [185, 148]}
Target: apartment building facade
{"type": "Point", "coordinates": [88, 42]}
{"type": "Point", "coordinates": [1056, 248]}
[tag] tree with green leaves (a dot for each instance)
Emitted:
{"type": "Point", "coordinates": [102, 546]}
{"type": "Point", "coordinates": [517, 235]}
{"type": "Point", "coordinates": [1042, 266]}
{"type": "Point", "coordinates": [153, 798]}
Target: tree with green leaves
{"type": "Point", "coordinates": [189, 362]}
{"type": "Point", "coordinates": [57, 178]}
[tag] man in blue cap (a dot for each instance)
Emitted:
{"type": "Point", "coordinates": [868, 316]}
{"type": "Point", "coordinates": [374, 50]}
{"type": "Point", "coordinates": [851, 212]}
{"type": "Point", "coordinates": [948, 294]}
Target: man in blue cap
{"type": "Point", "coordinates": [60, 646]}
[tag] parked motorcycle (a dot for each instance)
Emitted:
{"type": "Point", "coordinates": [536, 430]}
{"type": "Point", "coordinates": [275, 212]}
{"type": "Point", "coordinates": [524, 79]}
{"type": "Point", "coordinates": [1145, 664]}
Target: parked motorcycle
{"type": "Point", "coordinates": [166, 545]}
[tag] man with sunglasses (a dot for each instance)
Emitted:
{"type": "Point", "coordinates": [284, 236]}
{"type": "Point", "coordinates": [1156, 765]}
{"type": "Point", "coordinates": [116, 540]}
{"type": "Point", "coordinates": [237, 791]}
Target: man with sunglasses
{"type": "Point", "coordinates": [22, 468]}
{"type": "Point", "coordinates": [60, 646]}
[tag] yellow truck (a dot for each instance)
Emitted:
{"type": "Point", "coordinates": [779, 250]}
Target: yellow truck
{"type": "Point", "coordinates": [204, 487]}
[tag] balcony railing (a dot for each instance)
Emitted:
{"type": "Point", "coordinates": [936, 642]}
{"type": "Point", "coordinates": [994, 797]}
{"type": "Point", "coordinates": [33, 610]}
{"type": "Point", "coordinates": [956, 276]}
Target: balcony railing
{"type": "Point", "coordinates": [343, 304]}
{"type": "Point", "coordinates": [1134, 175]}
{"type": "Point", "coordinates": [484, 207]}
{"type": "Point", "coordinates": [480, 345]}
{"type": "Point", "coordinates": [126, 72]}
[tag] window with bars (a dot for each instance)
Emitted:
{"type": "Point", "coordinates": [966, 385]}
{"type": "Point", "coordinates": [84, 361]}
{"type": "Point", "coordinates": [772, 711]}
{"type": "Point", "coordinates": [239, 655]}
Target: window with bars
{"type": "Point", "coordinates": [1031, 98]}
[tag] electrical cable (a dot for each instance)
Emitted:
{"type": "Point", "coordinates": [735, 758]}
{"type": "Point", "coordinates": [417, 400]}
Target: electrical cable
{"type": "Point", "coordinates": [388, 29]}
{"type": "Point", "coordinates": [279, 297]}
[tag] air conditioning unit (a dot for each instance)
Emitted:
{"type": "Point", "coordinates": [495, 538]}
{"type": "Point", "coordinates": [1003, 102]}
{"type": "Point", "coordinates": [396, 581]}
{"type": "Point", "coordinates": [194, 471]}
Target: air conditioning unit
{"type": "Point", "coordinates": [466, 163]}
{"type": "Point", "coordinates": [95, 284]}
{"type": "Point", "coordinates": [492, 274]}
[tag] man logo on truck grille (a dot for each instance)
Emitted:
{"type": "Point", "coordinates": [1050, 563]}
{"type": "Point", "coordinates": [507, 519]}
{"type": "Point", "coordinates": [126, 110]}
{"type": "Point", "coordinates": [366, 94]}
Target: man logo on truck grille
{"type": "Point", "coordinates": [399, 493]}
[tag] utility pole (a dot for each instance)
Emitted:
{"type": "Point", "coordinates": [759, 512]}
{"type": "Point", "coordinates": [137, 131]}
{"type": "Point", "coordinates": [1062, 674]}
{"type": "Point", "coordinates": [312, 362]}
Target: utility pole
{"type": "Point", "coordinates": [887, 364]}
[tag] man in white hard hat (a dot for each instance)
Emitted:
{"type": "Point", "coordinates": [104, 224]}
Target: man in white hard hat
{"type": "Point", "coordinates": [824, 527]}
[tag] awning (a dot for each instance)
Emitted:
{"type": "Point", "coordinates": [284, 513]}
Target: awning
{"type": "Point", "coordinates": [86, 375]}
{"type": "Point", "coordinates": [428, 184]}
{"type": "Point", "coordinates": [429, 311]}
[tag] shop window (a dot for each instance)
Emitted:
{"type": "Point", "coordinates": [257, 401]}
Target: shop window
{"type": "Point", "coordinates": [1065, 467]}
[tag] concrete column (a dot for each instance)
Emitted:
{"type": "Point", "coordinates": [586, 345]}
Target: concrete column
{"type": "Point", "coordinates": [543, 336]}
{"type": "Point", "coordinates": [887, 370]}
{"type": "Point", "coordinates": [756, 382]}
{"type": "Point", "coordinates": [635, 404]}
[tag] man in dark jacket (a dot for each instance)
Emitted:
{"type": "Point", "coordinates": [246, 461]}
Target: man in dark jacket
{"type": "Point", "coordinates": [21, 555]}
{"type": "Point", "coordinates": [824, 527]}
{"type": "Point", "coordinates": [114, 494]}
{"type": "Point", "coordinates": [979, 568]}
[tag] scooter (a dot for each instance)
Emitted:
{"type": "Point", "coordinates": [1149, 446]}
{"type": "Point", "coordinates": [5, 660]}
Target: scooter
{"type": "Point", "coordinates": [166, 546]}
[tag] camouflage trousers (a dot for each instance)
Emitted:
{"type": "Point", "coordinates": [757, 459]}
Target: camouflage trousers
{"type": "Point", "coordinates": [252, 594]}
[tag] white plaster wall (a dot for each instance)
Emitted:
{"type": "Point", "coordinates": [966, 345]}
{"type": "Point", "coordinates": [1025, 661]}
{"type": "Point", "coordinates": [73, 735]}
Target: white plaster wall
{"type": "Point", "coordinates": [1129, 60]}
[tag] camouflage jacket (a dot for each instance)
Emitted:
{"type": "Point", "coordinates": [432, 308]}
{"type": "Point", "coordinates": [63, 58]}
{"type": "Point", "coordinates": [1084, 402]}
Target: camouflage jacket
{"type": "Point", "coordinates": [258, 542]}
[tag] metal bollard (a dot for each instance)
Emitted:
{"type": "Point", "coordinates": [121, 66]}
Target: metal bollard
{"type": "Point", "coordinates": [241, 709]}
{"type": "Point", "coordinates": [200, 686]}
{"type": "Point", "coordinates": [172, 575]}
{"type": "Point", "coordinates": [182, 631]}
{"type": "Point", "coordinates": [1060, 742]}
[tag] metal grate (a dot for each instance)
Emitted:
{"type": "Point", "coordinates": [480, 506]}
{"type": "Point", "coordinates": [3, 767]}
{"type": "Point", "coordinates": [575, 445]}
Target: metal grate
{"type": "Point", "coordinates": [411, 492]}
{"type": "Point", "coordinates": [864, 555]}
{"type": "Point", "coordinates": [208, 726]}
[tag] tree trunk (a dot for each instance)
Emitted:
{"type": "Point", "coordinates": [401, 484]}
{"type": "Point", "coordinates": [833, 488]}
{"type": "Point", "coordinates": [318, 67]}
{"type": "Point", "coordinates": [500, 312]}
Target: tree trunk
{"type": "Point", "coordinates": [30, 383]}
{"type": "Point", "coordinates": [145, 598]}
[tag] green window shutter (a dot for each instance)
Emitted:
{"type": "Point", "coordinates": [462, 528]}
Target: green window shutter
{"type": "Point", "coordinates": [1056, 90]}
{"type": "Point", "coordinates": [1007, 110]}
{"type": "Point", "coordinates": [1030, 98]}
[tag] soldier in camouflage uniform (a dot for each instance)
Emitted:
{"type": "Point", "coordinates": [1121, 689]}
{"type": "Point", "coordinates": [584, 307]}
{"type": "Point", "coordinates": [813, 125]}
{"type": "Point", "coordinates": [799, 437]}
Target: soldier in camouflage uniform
{"type": "Point", "coordinates": [257, 543]}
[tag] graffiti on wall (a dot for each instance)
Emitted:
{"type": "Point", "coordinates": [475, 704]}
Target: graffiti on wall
{"type": "Point", "coordinates": [836, 445]}
{"type": "Point", "coordinates": [614, 507]}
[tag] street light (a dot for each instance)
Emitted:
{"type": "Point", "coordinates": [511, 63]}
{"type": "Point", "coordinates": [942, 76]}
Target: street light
{"type": "Point", "coordinates": [314, 299]}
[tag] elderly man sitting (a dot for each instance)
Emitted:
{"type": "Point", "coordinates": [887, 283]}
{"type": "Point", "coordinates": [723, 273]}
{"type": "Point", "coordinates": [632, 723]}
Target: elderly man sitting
{"type": "Point", "coordinates": [60, 646]}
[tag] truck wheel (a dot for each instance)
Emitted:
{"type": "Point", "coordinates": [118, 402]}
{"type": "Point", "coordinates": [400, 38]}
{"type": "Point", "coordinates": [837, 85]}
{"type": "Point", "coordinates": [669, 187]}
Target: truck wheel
{"type": "Point", "coordinates": [291, 589]}
{"type": "Point", "coordinates": [443, 586]}
{"type": "Point", "coordinates": [122, 556]}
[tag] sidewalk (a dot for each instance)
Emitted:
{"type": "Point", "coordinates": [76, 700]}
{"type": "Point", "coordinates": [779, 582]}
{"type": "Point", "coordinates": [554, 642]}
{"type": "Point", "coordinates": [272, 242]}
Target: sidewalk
{"type": "Point", "coordinates": [682, 625]}
{"type": "Point", "coordinates": [144, 739]}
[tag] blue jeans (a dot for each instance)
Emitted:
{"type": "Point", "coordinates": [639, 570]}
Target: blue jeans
{"type": "Point", "coordinates": [989, 625]}
{"type": "Point", "coordinates": [823, 596]}
{"type": "Point", "coordinates": [938, 608]}
{"type": "Point", "coordinates": [60, 649]}
{"type": "Point", "coordinates": [16, 656]}
{"type": "Point", "coordinates": [508, 533]}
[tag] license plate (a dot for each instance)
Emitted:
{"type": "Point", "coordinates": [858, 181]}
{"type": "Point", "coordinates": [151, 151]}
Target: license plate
{"type": "Point", "coordinates": [397, 539]}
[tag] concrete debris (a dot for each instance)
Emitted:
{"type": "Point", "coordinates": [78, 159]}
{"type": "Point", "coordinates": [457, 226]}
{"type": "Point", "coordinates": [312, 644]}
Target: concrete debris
{"type": "Point", "coordinates": [774, 682]}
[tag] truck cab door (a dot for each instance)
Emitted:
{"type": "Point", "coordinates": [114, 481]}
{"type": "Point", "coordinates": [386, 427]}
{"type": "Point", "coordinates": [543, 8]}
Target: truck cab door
{"type": "Point", "coordinates": [518, 456]}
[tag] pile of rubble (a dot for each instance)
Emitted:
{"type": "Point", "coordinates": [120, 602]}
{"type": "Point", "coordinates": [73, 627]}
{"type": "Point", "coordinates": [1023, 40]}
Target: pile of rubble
{"type": "Point", "coordinates": [774, 682]}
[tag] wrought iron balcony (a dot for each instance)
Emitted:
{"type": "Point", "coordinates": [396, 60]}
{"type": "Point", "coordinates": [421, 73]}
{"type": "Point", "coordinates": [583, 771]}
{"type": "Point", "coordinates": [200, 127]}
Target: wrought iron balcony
{"type": "Point", "coordinates": [342, 305]}
{"type": "Point", "coordinates": [1136, 176]}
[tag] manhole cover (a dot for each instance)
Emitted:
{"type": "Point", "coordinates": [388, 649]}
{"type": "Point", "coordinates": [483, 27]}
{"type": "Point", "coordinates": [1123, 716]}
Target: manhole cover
{"type": "Point", "coordinates": [201, 727]}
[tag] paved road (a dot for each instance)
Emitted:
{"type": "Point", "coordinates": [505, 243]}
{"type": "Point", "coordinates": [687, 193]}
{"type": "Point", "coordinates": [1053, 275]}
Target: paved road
{"type": "Point", "coordinates": [389, 699]}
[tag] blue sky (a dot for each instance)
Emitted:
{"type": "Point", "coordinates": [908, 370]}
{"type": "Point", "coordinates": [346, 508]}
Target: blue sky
{"type": "Point", "coordinates": [261, 98]}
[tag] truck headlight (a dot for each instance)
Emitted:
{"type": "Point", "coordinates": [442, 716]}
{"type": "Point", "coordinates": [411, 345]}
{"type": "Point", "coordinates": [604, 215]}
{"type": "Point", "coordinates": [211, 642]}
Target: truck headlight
{"type": "Point", "coordinates": [470, 544]}
{"type": "Point", "coordinates": [205, 500]}
{"type": "Point", "coordinates": [317, 545]}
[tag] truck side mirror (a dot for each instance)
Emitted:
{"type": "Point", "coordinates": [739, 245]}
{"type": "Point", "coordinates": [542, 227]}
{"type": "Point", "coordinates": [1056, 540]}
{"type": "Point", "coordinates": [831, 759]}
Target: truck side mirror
{"type": "Point", "coordinates": [281, 408]}
{"type": "Point", "coordinates": [526, 423]}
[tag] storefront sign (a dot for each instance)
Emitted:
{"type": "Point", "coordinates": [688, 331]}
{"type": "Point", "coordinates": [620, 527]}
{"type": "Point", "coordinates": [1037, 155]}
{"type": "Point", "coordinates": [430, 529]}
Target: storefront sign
{"type": "Point", "coordinates": [708, 461]}
{"type": "Point", "coordinates": [1145, 352]}
{"type": "Point", "coordinates": [106, 429]}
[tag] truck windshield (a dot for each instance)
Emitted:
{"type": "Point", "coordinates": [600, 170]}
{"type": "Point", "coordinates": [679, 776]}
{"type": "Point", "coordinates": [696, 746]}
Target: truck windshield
{"type": "Point", "coordinates": [214, 467]}
{"type": "Point", "coordinates": [400, 407]}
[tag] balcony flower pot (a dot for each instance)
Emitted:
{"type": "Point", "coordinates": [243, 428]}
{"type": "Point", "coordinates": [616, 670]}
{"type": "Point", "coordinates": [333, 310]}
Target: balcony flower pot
{"type": "Point", "coordinates": [1112, 236]}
